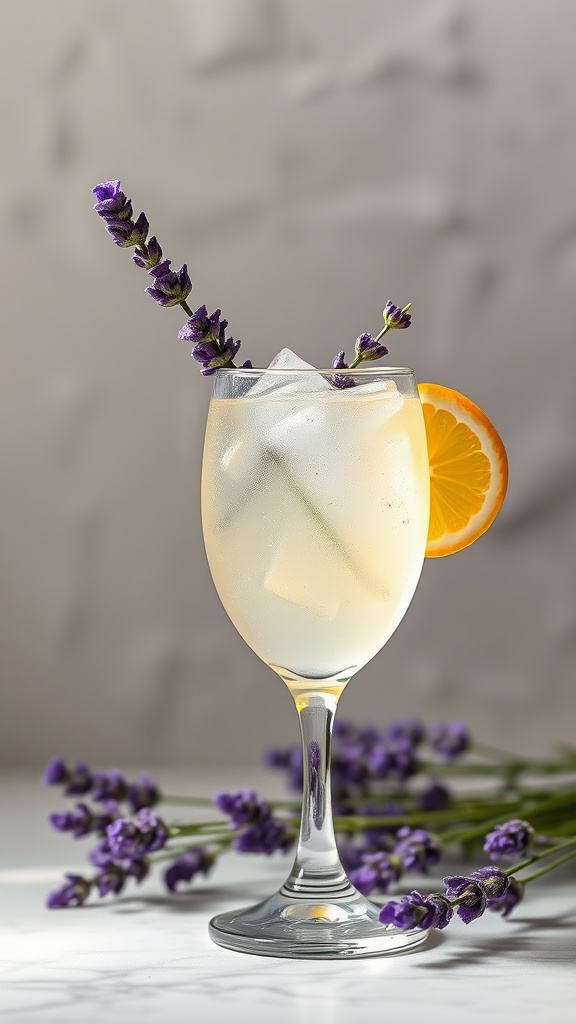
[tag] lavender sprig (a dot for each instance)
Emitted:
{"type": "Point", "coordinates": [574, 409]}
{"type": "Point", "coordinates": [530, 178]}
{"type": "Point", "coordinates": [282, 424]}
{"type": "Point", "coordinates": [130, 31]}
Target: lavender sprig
{"type": "Point", "coordinates": [210, 346]}
{"type": "Point", "coordinates": [368, 348]}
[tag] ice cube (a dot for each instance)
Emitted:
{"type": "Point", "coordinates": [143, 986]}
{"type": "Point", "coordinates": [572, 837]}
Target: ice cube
{"type": "Point", "coordinates": [285, 360]}
{"type": "Point", "coordinates": [290, 577]}
{"type": "Point", "coordinates": [244, 456]}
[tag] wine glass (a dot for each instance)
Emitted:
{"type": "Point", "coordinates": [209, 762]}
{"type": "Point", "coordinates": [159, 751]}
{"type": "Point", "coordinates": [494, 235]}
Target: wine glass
{"type": "Point", "coordinates": [315, 508]}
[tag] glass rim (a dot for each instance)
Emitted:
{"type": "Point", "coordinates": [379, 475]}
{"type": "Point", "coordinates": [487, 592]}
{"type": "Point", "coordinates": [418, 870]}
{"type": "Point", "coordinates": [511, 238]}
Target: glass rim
{"type": "Point", "coordinates": [357, 371]}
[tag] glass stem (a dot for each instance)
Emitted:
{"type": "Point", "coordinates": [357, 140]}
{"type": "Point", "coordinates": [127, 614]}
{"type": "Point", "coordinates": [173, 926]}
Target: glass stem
{"type": "Point", "coordinates": [317, 872]}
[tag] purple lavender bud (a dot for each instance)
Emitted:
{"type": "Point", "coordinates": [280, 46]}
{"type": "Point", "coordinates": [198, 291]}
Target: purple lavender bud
{"type": "Point", "coordinates": [349, 764]}
{"type": "Point", "coordinates": [112, 203]}
{"type": "Point", "coordinates": [417, 849]}
{"type": "Point", "coordinates": [148, 254]}
{"type": "Point", "coordinates": [409, 729]}
{"type": "Point", "coordinates": [380, 761]}
{"type": "Point", "coordinates": [344, 730]}
{"type": "Point", "coordinates": [202, 327]}
{"type": "Point", "coordinates": [170, 287]}
{"type": "Point", "coordinates": [266, 837]}
{"type": "Point", "coordinates": [246, 365]}
{"type": "Point", "coordinates": [376, 872]}
{"type": "Point", "coordinates": [417, 911]}
{"type": "Point", "coordinates": [449, 739]}
{"type": "Point", "coordinates": [243, 807]}
{"type": "Point", "coordinates": [74, 893]}
{"type": "Point", "coordinates": [512, 897]}
{"type": "Point", "coordinates": [435, 798]}
{"type": "Point", "coordinates": [131, 839]}
{"type": "Point", "coordinates": [144, 793]}
{"type": "Point", "coordinates": [215, 357]}
{"type": "Point", "coordinates": [127, 233]}
{"type": "Point", "coordinates": [351, 856]}
{"type": "Point", "coordinates": [368, 735]}
{"type": "Point", "coordinates": [470, 895]}
{"type": "Point", "coordinates": [396, 318]}
{"type": "Point", "coordinates": [495, 884]}
{"type": "Point", "coordinates": [341, 380]}
{"type": "Point", "coordinates": [278, 758]}
{"type": "Point", "coordinates": [509, 840]}
{"type": "Point", "coordinates": [79, 780]}
{"type": "Point", "coordinates": [185, 867]}
{"type": "Point", "coordinates": [55, 773]}
{"type": "Point", "coordinates": [405, 760]}
{"type": "Point", "coordinates": [101, 855]}
{"type": "Point", "coordinates": [81, 821]}
{"type": "Point", "coordinates": [368, 348]}
{"type": "Point", "coordinates": [137, 868]}
{"type": "Point", "coordinates": [109, 786]}
{"type": "Point", "coordinates": [111, 879]}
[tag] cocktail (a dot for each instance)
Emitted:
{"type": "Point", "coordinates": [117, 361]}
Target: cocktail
{"type": "Point", "coordinates": [315, 510]}
{"type": "Point", "coordinates": [322, 492]}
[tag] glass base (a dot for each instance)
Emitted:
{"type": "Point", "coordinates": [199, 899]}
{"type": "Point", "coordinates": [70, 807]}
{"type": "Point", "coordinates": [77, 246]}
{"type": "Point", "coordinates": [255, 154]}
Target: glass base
{"type": "Point", "coordinates": [288, 925]}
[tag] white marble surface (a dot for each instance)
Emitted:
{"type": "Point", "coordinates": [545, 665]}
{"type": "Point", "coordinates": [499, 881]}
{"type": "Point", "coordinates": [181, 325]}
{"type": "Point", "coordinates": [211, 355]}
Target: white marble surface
{"type": "Point", "coordinates": [147, 956]}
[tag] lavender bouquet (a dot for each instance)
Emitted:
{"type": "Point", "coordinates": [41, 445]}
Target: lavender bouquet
{"type": "Point", "coordinates": [401, 804]}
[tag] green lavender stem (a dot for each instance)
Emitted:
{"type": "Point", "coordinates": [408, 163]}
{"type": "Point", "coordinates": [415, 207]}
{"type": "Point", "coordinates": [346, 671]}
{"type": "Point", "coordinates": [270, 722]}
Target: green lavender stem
{"type": "Point", "coordinates": [550, 867]}
{"type": "Point", "coordinates": [544, 854]}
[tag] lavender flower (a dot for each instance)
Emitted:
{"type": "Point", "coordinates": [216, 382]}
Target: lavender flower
{"type": "Point", "coordinates": [494, 882]}
{"type": "Point", "coordinates": [348, 763]}
{"type": "Point", "coordinates": [114, 872]}
{"type": "Point", "coordinates": [82, 821]}
{"type": "Point", "coordinates": [74, 893]}
{"type": "Point", "coordinates": [417, 849]}
{"type": "Point", "coordinates": [396, 318]}
{"type": "Point", "coordinates": [267, 837]}
{"type": "Point", "coordinates": [435, 798]}
{"type": "Point", "coordinates": [148, 254]}
{"type": "Point", "coordinates": [449, 739]}
{"type": "Point", "coordinates": [202, 327]}
{"type": "Point", "coordinates": [126, 233]}
{"type": "Point", "coordinates": [417, 911]}
{"type": "Point", "coordinates": [511, 898]}
{"type": "Point", "coordinates": [116, 211]}
{"type": "Point", "coordinates": [170, 287]}
{"type": "Point", "coordinates": [408, 729]}
{"type": "Point", "coordinates": [341, 380]}
{"type": "Point", "coordinates": [509, 840]}
{"type": "Point", "coordinates": [132, 839]}
{"type": "Point", "coordinates": [469, 896]}
{"type": "Point", "coordinates": [368, 347]}
{"type": "Point", "coordinates": [111, 879]}
{"type": "Point", "coordinates": [187, 865]}
{"type": "Point", "coordinates": [376, 872]}
{"type": "Point", "coordinates": [55, 773]}
{"type": "Point", "coordinates": [215, 357]}
{"type": "Point", "coordinates": [397, 758]}
{"type": "Point", "coordinates": [109, 786]}
{"type": "Point", "coordinates": [112, 203]}
{"type": "Point", "coordinates": [243, 807]}
{"type": "Point", "coordinates": [144, 793]}
{"type": "Point", "coordinates": [77, 780]}
{"type": "Point", "coordinates": [287, 759]}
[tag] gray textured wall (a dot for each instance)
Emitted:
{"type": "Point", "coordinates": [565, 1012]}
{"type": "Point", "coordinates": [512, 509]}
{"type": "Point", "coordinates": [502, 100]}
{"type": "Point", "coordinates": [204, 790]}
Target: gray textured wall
{"type": "Point", "coordinates": [309, 160]}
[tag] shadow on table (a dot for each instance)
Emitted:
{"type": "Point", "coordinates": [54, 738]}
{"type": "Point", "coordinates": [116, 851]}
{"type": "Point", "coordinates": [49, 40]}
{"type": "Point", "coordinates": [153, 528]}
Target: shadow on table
{"type": "Point", "coordinates": [541, 939]}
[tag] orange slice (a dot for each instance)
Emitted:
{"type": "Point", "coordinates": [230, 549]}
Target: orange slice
{"type": "Point", "coordinates": [468, 470]}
